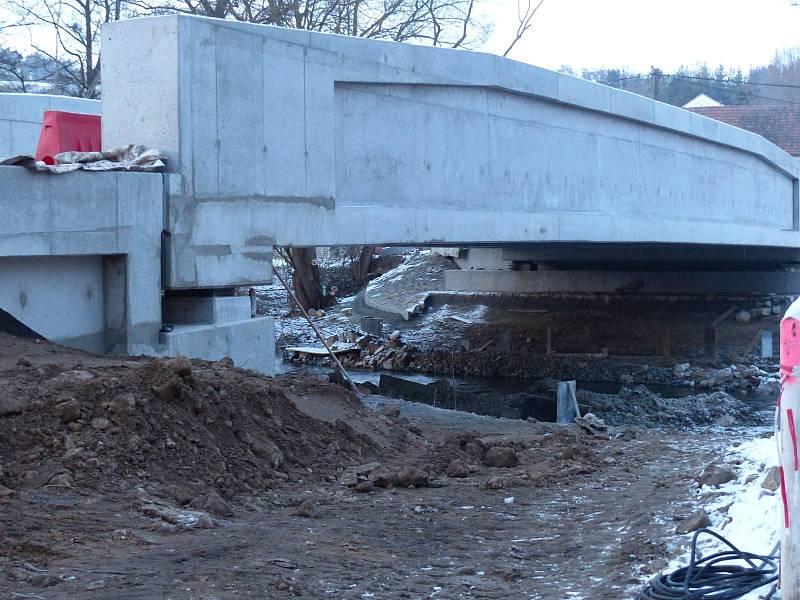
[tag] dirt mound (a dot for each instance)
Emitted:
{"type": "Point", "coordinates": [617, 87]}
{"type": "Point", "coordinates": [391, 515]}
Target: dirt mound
{"type": "Point", "coordinates": [640, 406]}
{"type": "Point", "coordinates": [195, 426]}
{"type": "Point", "coordinates": [559, 453]}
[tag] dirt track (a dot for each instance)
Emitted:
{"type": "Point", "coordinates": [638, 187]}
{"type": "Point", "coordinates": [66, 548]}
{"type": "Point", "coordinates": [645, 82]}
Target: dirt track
{"type": "Point", "coordinates": [589, 516]}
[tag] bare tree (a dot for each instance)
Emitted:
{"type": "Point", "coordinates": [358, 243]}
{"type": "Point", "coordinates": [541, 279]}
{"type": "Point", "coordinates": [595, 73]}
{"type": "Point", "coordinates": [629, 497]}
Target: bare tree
{"type": "Point", "coordinates": [449, 23]}
{"type": "Point", "coordinates": [524, 21]}
{"type": "Point", "coordinates": [75, 48]}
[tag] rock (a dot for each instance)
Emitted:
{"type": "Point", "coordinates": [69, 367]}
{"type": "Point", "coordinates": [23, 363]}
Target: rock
{"type": "Point", "coordinates": [180, 366]}
{"type": "Point", "coordinates": [726, 421]}
{"type": "Point", "coordinates": [100, 423]}
{"type": "Point", "coordinates": [772, 481]}
{"type": "Point", "coordinates": [267, 450]}
{"type": "Point", "coordinates": [72, 452]}
{"type": "Point", "coordinates": [33, 578]}
{"type": "Point", "coordinates": [769, 387]}
{"type": "Point", "coordinates": [766, 311]}
{"type": "Point", "coordinates": [124, 404]}
{"type": "Point", "coordinates": [722, 376]}
{"type": "Point", "coordinates": [349, 478]}
{"type": "Point", "coordinates": [168, 390]}
{"type": "Point", "coordinates": [347, 312]}
{"type": "Point", "coordinates": [501, 456]}
{"type": "Point", "coordinates": [403, 359]}
{"type": "Point", "coordinates": [383, 478]}
{"type": "Point", "coordinates": [23, 362]}
{"type": "Point", "coordinates": [743, 316]}
{"type": "Point", "coordinates": [395, 335]}
{"type": "Point", "coordinates": [393, 412]}
{"type": "Point", "coordinates": [363, 341]}
{"type": "Point", "coordinates": [11, 405]}
{"type": "Point", "coordinates": [365, 468]}
{"type": "Point", "coordinates": [364, 487]}
{"type": "Point", "coordinates": [68, 411]}
{"type": "Point", "coordinates": [213, 503]}
{"type": "Point", "coordinates": [494, 483]}
{"type": "Point", "coordinates": [331, 340]}
{"type": "Point", "coordinates": [457, 469]}
{"type": "Point", "coordinates": [715, 476]}
{"type": "Point", "coordinates": [412, 476]}
{"type": "Point", "coordinates": [681, 370]}
{"type": "Point", "coordinates": [305, 509]}
{"type": "Point", "coordinates": [98, 584]}
{"type": "Point", "coordinates": [61, 480]}
{"type": "Point", "coordinates": [321, 313]}
{"type": "Point", "coordinates": [5, 492]}
{"type": "Point", "coordinates": [312, 312]}
{"type": "Point", "coordinates": [697, 521]}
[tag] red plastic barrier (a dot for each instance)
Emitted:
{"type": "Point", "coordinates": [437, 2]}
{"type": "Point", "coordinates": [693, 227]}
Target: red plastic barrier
{"type": "Point", "coordinates": [66, 131]}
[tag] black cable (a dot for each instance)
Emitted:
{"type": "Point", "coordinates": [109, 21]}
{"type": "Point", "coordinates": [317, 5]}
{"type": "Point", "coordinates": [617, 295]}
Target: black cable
{"type": "Point", "coordinates": [734, 82]}
{"type": "Point", "coordinates": [692, 81]}
{"type": "Point", "coordinates": [710, 578]}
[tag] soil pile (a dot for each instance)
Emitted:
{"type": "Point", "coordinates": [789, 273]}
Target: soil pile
{"type": "Point", "coordinates": [200, 425]}
{"type": "Point", "coordinates": [640, 406]}
{"type": "Point", "coordinates": [557, 454]}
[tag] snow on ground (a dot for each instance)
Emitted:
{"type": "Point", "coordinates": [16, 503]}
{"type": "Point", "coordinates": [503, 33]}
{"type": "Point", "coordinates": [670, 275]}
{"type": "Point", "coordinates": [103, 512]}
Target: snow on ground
{"type": "Point", "coordinates": [430, 324]}
{"type": "Point", "coordinates": [752, 522]}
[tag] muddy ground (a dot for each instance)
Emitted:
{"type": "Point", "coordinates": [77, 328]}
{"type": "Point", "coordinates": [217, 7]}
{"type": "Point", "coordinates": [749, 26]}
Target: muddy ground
{"type": "Point", "coordinates": [142, 478]}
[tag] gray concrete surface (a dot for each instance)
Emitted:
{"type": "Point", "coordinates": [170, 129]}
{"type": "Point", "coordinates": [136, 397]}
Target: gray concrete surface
{"type": "Point", "coordinates": [21, 119]}
{"type": "Point", "coordinates": [735, 283]}
{"type": "Point", "coordinates": [250, 343]}
{"type": "Point", "coordinates": [80, 263]}
{"type": "Point", "coordinates": [80, 256]}
{"type": "Point", "coordinates": [287, 137]}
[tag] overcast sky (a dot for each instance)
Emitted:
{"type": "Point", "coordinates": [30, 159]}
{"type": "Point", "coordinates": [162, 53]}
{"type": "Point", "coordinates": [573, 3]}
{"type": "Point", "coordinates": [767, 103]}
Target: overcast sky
{"type": "Point", "coordinates": [638, 33]}
{"type": "Point", "coordinates": [644, 33]}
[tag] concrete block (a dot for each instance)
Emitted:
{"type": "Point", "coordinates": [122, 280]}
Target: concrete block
{"type": "Point", "coordinates": [250, 343]}
{"type": "Point", "coordinates": [106, 229]}
{"type": "Point", "coordinates": [372, 326]}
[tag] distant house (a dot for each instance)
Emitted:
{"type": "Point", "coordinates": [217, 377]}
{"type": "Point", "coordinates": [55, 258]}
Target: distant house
{"type": "Point", "coordinates": [701, 101]}
{"type": "Point", "coordinates": [779, 124]}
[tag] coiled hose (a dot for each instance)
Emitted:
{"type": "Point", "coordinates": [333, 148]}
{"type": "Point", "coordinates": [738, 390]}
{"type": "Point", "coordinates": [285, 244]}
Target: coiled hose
{"type": "Point", "coordinates": [715, 577]}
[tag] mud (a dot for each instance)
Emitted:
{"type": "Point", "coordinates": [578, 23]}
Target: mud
{"type": "Point", "coordinates": [293, 488]}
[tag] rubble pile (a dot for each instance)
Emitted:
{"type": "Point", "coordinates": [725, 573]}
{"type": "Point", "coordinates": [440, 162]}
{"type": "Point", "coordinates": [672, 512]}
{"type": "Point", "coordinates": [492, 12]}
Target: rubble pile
{"type": "Point", "coordinates": [198, 425]}
{"type": "Point", "coordinates": [640, 406]}
{"type": "Point", "coordinates": [556, 454]}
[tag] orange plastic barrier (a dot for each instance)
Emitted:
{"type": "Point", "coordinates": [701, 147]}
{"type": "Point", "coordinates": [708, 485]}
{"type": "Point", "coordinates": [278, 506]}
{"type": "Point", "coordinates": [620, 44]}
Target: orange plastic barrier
{"type": "Point", "coordinates": [66, 131]}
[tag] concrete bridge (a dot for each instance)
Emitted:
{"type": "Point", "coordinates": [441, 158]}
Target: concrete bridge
{"type": "Point", "coordinates": [286, 137]}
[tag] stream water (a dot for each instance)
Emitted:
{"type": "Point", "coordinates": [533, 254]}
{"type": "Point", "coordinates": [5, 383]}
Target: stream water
{"type": "Point", "coordinates": [497, 396]}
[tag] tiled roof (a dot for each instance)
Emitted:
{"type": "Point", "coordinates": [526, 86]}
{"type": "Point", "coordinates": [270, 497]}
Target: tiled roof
{"type": "Point", "coordinates": [779, 124]}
